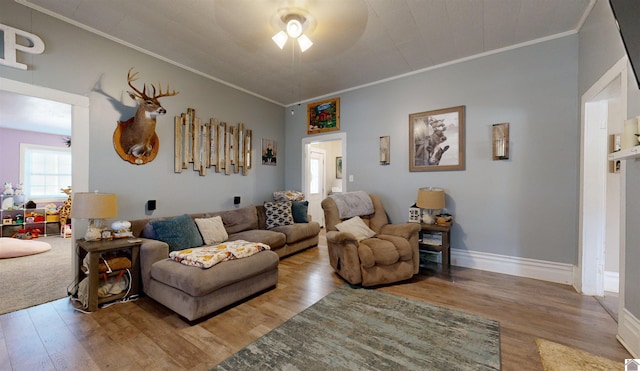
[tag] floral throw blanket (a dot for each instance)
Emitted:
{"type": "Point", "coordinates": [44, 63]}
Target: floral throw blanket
{"type": "Point", "coordinates": [208, 256]}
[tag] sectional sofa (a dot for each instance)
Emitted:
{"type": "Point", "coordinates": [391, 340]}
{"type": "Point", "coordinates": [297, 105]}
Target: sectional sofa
{"type": "Point", "coordinates": [194, 292]}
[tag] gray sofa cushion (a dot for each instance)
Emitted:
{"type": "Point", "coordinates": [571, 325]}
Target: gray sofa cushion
{"type": "Point", "coordinates": [200, 282]}
{"type": "Point", "coordinates": [299, 231]}
{"type": "Point", "coordinates": [273, 239]}
{"type": "Point", "coordinates": [238, 220]}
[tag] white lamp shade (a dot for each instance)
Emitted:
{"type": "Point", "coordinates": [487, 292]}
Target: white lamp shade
{"type": "Point", "coordinates": [430, 198]}
{"type": "Point", "coordinates": [280, 39]}
{"type": "Point", "coordinates": [304, 42]}
{"type": "Point", "coordinates": [86, 205]}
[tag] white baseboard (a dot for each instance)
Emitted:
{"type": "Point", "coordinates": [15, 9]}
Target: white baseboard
{"type": "Point", "coordinates": [629, 326]}
{"type": "Point", "coordinates": [522, 267]}
{"type": "Point", "coordinates": [611, 281]}
{"type": "Point", "coordinates": [629, 332]}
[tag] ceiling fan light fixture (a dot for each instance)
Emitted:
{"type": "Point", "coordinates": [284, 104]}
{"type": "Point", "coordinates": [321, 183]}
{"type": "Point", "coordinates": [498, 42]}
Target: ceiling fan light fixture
{"type": "Point", "coordinates": [304, 42]}
{"type": "Point", "coordinates": [280, 39]}
{"type": "Point", "coordinates": [293, 24]}
{"type": "Point", "coordinates": [294, 28]}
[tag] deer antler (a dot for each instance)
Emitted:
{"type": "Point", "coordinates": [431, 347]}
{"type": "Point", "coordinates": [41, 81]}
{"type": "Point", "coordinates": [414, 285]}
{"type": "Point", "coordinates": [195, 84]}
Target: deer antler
{"type": "Point", "coordinates": [143, 93]}
{"type": "Point", "coordinates": [134, 77]}
{"type": "Point", "coordinates": [167, 94]}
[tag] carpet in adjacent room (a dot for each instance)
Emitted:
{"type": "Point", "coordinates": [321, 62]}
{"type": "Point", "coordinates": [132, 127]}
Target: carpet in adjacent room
{"type": "Point", "coordinates": [362, 329]}
{"type": "Point", "coordinates": [558, 357]}
{"type": "Point", "coordinates": [31, 280]}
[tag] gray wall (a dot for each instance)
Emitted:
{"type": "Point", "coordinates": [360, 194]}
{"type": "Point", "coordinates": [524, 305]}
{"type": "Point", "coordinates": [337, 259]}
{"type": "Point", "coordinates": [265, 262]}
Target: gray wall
{"type": "Point", "coordinates": [79, 62]}
{"type": "Point", "coordinates": [600, 48]}
{"type": "Point", "coordinates": [524, 207]}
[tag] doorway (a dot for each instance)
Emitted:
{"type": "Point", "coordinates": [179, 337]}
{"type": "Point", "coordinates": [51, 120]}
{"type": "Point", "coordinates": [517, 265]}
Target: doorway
{"type": "Point", "coordinates": [315, 187]}
{"type": "Point", "coordinates": [334, 147]}
{"type": "Point", "coordinates": [79, 124]}
{"type": "Point", "coordinates": [79, 131]}
{"type": "Point", "coordinates": [601, 223]}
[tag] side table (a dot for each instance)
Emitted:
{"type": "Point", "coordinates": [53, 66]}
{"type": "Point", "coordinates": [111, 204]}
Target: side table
{"type": "Point", "coordinates": [93, 249]}
{"type": "Point", "coordinates": [442, 244]}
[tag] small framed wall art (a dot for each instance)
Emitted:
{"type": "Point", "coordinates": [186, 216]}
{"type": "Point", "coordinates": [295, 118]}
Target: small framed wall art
{"type": "Point", "coordinates": [436, 140]}
{"type": "Point", "coordinates": [339, 167]}
{"type": "Point", "coordinates": [323, 116]}
{"type": "Point", "coordinates": [269, 152]}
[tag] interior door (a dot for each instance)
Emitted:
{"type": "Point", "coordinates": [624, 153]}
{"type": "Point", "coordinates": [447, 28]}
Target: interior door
{"type": "Point", "coordinates": [315, 185]}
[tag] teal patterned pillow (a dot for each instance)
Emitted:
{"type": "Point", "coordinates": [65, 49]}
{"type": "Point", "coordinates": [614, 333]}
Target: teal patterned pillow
{"type": "Point", "coordinates": [278, 213]}
{"type": "Point", "coordinates": [179, 232]}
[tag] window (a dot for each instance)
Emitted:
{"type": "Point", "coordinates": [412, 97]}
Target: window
{"type": "Point", "coordinates": [44, 170]}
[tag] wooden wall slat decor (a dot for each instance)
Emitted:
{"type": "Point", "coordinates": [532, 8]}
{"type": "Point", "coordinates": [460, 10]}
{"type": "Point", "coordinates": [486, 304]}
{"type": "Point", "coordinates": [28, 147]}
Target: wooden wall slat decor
{"type": "Point", "coordinates": [211, 144]}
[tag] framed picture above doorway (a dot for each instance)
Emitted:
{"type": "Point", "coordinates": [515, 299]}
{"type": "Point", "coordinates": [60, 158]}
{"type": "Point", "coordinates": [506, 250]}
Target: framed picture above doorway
{"type": "Point", "coordinates": [323, 116]}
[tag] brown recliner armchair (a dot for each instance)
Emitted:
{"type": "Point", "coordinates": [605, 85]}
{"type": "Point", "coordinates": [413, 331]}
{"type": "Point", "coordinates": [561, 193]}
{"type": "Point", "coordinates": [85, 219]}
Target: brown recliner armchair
{"type": "Point", "coordinates": [389, 256]}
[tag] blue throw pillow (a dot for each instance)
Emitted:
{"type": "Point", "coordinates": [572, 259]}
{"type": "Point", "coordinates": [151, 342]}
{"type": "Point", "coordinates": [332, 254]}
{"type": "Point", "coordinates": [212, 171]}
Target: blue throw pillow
{"type": "Point", "coordinates": [149, 232]}
{"type": "Point", "coordinates": [299, 209]}
{"type": "Point", "coordinates": [180, 232]}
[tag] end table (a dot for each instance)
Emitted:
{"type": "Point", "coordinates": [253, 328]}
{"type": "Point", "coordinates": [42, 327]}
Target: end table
{"type": "Point", "coordinates": [93, 249]}
{"type": "Point", "coordinates": [444, 245]}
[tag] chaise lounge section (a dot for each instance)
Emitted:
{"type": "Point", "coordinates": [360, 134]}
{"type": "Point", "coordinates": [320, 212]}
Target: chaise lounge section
{"type": "Point", "coordinates": [194, 292]}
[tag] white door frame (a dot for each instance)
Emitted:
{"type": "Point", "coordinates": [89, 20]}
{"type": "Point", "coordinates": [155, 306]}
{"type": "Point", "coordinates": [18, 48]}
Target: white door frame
{"type": "Point", "coordinates": [79, 125]}
{"type": "Point", "coordinates": [342, 137]}
{"type": "Point", "coordinates": [589, 274]}
{"type": "Point", "coordinates": [79, 133]}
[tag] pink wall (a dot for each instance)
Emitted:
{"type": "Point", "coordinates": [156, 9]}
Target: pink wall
{"type": "Point", "coordinates": [10, 140]}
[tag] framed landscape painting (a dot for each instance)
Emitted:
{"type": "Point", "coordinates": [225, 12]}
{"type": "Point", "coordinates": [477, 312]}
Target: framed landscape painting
{"type": "Point", "coordinates": [323, 116]}
{"type": "Point", "coordinates": [436, 140]}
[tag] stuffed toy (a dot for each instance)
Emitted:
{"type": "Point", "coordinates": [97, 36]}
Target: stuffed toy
{"type": "Point", "coordinates": [19, 191]}
{"type": "Point", "coordinates": [8, 189]}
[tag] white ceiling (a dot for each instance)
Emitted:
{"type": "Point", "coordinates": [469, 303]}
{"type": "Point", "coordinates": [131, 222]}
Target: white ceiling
{"type": "Point", "coordinates": [356, 42]}
{"type": "Point", "coordinates": [22, 112]}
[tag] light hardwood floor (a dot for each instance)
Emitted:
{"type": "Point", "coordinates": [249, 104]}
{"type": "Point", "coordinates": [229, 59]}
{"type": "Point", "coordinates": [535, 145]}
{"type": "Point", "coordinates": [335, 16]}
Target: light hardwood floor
{"type": "Point", "coordinates": [144, 335]}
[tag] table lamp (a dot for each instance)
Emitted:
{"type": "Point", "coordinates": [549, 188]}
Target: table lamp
{"type": "Point", "coordinates": [96, 207]}
{"type": "Point", "coordinates": [432, 200]}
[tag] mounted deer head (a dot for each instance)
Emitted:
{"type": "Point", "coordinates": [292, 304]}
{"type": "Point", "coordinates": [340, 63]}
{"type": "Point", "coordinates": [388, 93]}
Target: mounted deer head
{"type": "Point", "coordinates": [138, 140]}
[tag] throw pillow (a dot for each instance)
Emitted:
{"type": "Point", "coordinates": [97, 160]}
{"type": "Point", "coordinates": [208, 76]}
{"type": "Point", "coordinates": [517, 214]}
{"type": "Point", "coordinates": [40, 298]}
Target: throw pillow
{"type": "Point", "coordinates": [356, 227]}
{"type": "Point", "coordinates": [179, 232]}
{"type": "Point", "coordinates": [149, 232]}
{"type": "Point", "coordinates": [288, 195]}
{"type": "Point", "coordinates": [300, 210]}
{"type": "Point", "coordinates": [278, 213]}
{"type": "Point", "coordinates": [212, 230]}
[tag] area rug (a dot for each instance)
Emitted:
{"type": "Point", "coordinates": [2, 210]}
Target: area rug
{"type": "Point", "coordinates": [558, 357]}
{"type": "Point", "coordinates": [361, 329]}
{"type": "Point", "coordinates": [31, 280]}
